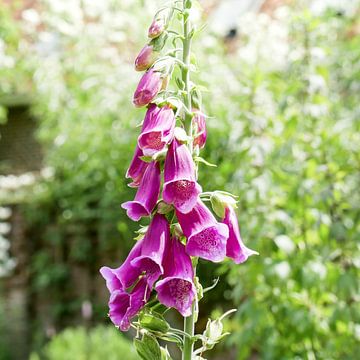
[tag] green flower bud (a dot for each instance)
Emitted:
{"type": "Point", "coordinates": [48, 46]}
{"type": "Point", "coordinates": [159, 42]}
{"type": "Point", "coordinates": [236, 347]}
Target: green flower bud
{"type": "Point", "coordinates": [220, 200]}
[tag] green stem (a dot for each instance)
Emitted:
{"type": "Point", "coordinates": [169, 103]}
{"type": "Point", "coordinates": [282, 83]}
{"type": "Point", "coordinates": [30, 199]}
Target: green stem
{"type": "Point", "coordinates": [189, 322]}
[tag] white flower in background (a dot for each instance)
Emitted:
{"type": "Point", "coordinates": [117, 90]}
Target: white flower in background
{"type": "Point", "coordinates": [284, 243]}
{"type": "Point", "coordinates": [282, 269]}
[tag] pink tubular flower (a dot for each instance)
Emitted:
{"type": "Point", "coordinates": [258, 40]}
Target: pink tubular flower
{"type": "Point", "coordinates": [146, 195]}
{"type": "Point", "coordinates": [206, 237]}
{"type": "Point", "coordinates": [149, 262]}
{"type": "Point", "coordinates": [145, 58]}
{"type": "Point", "coordinates": [177, 289]}
{"type": "Point", "coordinates": [199, 125]}
{"type": "Point", "coordinates": [123, 306]}
{"type": "Point", "coordinates": [137, 168]}
{"type": "Point", "coordinates": [125, 275]}
{"type": "Point", "coordinates": [156, 28]}
{"type": "Point", "coordinates": [235, 248]}
{"type": "Point", "coordinates": [157, 130]}
{"type": "Point", "coordinates": [180, 186]}
{"type": "Point", "coordinates": [149, 85]}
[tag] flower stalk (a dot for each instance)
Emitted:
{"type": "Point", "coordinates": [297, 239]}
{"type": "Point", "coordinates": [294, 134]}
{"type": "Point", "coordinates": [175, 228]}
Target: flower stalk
{"type": "Point", "coordinates": [160, 270]}
{"type": "Point", "coordinates": [189, 321]}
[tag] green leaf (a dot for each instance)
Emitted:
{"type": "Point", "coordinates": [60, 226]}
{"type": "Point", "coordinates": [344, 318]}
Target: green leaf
{"type": "Point", "coordinates": [148, 348]}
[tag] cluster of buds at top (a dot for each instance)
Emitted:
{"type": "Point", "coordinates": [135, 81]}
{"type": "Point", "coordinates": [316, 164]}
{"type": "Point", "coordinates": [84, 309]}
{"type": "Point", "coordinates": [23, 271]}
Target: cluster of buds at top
{"type": "Point", "coordinates": [164, 173]}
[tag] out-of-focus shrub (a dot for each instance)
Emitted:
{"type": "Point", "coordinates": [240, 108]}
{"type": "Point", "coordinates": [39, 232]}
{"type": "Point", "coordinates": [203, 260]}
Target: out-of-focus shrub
{"type": "Point", "coordinates": [102, 342]}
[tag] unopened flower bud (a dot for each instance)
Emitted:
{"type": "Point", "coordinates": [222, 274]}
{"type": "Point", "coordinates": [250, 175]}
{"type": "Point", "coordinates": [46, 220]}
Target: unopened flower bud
{"type": "Point", "coordinates": [149, 86]}
{"type": "Point", "coordinates": [153, 322]}
{"type": "Point", "coordinates": [146, 58]}
{"type": "Point", "coordinates": [157, 27]}
{"type": "Point", "coordinates": [199, 124]}
{"type": "Point", "coordinates": [214, 330]}
{"type": "Point", "coordinates": [220, 201]}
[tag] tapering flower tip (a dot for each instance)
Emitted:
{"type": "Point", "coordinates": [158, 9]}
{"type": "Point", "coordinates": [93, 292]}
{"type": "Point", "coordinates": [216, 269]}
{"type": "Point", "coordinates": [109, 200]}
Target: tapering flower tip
{"type": "Point", "coordinates": [123, 306]}
{"type": "Point", "coordinates": [180, 186]}
{"type": "Point", "coordinates": [125, 275]}
{"type": "Point", "coordinates": [199, 124]}
{"type": "Point", "coordinates": [148, 87]}
{"type": "Point", "coordinates": [146, 195]}
{"type": "Point", "coordinates": [137, 168]}
{"type": "Point", "coordinates": [152, 249]}
{"type": "Point", "coordinates": [145, 58]}
{"type": "Point", "coordinates": [206, 238]}
{"type": "Point", "coordinates": [157, 27]}
{"type": "Point", "coordinates": [235, 248]}
{"type": "Point", "coordinates": [157, 130]}
{"type": "Point", "coordinates": [177, 289]}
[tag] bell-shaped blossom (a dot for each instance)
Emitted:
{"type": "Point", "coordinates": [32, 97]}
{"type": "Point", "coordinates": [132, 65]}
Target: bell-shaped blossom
{"type": "Point", "coordinates": [199, 125]}
{"type": "Point", "coordinates": [206, 238]}
{"type": "Point", "coordinates": [137, 168]}
{"type": "Point", "coordinates": [149, 262]}
{"type": "Point", "coordinates": [146, 195]}
{"type": "Point", "coordinates": [177, 289]}
{"type": "Point", "coordinates": [148, 87]}
{"type": "Point", "coordinates": [235, 247]}
{"type": "Point", "coordinates": [157, 27]}
{"type": "Point", "coordinates": [125, 275]}
{"type": "Point", "coordinates": [157, 130]}
{"type": "Point", "coordinates": [180, 186]}
{"type": "Point", "coordinates": [123, 305]}
{"type": "Point", "coordinates": [145, 58]}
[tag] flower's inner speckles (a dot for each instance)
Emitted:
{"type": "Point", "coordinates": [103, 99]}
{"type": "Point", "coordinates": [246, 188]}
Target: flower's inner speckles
{"type": "Point", "coordinates": [180, 291]}
{"type": "Point", "coordinates": [207, 240]}
{"type": "Point", "coordinates": [154, 140]}
{"type": "Point", "coordinates": [184, 189]}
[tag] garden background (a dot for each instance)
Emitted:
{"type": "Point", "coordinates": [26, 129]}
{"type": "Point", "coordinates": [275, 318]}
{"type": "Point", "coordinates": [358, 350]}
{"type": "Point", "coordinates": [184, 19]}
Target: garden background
{"type": "Point", "coordinates": [282, 82]}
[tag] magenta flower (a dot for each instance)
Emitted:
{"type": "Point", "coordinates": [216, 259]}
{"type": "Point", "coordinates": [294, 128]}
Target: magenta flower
{"type": "Point", "coordinates": [125, 275]}
{"type": "Point", "coordinates": [152, 249]}
{"type": "Point", "coordinates": [235, 247]}
{"type": "Point", "coordinates": [199, 125]}
{"type": "Point", "coordinates": [149, 85]}
{"type": "Point", "coordinates": [123, 306]}
{"type": "Point", "coordinates": [146, 195]}
{"type": "Point", "coordinates": [137, 168]}
{"type": "Point", "coordinates": [157, 130]}
{"type": "Point", "coordinates": [180, 186]}
{"type": "Point", "coordinates": [206, 237]}
{"type": "Point", "coordinates": [156, 28]}
{"type": "Point", "coordinates": [177, 289]}
{"type": "Point", "coordinates": [146, 58]}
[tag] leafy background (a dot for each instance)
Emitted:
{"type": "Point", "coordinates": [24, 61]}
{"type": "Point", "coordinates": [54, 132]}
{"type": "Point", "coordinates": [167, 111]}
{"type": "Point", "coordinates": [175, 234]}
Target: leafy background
{"type": "Point", "coordinates": [283, 98]}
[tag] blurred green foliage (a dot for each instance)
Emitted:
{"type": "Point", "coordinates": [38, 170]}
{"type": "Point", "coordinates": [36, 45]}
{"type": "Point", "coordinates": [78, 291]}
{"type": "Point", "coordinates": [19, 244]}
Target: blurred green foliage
{"type": "Point", "coordinates": [100, 342]}
{"type": "Point", "coordinates": [284, 132]}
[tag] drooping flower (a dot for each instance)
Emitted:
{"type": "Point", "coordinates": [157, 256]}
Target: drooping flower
{"type": "Point", "coordinates": [235, 248]}
{"type": "Point", "coordinates": [146, 195]}
{"type": "Point", "coordinates": [199, 124]}
{"type": "Point", "coordinates": [177, 289]}
{"type": "Point", "coordinates": [206, 237]}
{"type": "Point", "coordinates": [148, 87]}
{"type": "Point", "coordinates": [145, 58]}
{"type": "Point", "coordinates": [149, 262]}
{"type": "Point", "coordinates": [123, 305]}
{"type": "Point", "coordinates": [180, 186]}
{"type": "Point", "coordinates": [137, 168]}
{"type": "Point", "coordinates": [157, 130]}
